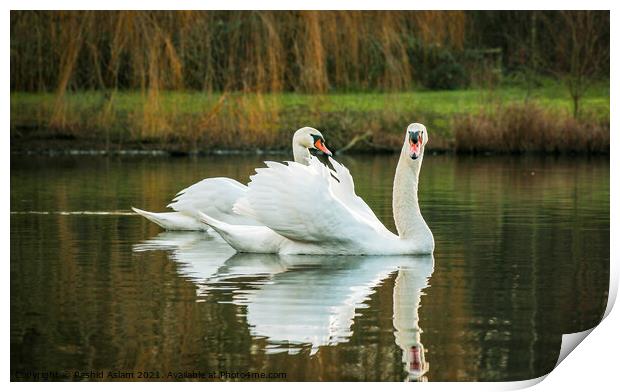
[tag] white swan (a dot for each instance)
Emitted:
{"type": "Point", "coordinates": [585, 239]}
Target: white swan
{"type": "Point", "coordinates": [216, 196]}
{"type": "Point", "coordinates": [304, 210]}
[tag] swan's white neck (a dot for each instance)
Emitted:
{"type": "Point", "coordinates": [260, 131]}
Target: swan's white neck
{"type": "Point", "coordinates": [407, 216]}
{"type": "Point", "coordinates": [300, 154]}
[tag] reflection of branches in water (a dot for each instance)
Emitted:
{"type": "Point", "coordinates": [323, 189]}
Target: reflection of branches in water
{"type": "Point", "coordinates": [297, 302]}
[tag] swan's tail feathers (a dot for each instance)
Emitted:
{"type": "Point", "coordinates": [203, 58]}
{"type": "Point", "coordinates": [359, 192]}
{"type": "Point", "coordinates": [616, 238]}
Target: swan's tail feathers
{"type": "Point", "coordinates": [173, 221]}
{"type": "Point", "coordinates": [245, 238]}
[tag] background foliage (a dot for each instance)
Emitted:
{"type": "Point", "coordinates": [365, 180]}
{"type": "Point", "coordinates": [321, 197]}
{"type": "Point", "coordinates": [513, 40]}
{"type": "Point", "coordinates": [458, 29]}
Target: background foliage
{"type": "Point", "coordinates": [133, 75]}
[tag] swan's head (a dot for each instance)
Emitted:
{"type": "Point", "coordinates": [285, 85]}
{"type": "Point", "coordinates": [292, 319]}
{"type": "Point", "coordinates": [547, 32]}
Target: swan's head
{"type": "Point", "coordinates": [415, 140]}
{"type": "Point", "coordinates": [416, 365]}
{"type": "Point", "coordinates": [310, 138]}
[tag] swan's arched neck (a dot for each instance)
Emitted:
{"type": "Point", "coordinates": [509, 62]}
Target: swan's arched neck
{"type": "Point", "coordinates": [407, 216]}
{"type": "Point", "coordinates": [301, 154]}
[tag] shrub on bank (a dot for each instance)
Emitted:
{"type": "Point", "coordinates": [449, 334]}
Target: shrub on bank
{"type": "Point", "coordinates": [518, 128]}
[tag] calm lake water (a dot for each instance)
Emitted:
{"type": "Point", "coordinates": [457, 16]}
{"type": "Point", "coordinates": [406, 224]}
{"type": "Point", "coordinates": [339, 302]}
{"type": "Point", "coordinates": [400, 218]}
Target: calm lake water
{"type": "Point", "coordinates": [522, 256]}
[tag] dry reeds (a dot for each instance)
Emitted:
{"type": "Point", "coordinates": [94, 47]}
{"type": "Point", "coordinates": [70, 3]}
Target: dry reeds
{"type": "Point", "coordinates": [304, 51]}
{"type": "Point", "coordinates": [526, 127]}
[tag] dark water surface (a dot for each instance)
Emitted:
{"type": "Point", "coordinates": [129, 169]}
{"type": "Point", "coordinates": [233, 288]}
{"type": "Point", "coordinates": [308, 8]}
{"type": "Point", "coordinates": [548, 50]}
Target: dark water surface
{"type": "Point", "coordinates": [522, 256]}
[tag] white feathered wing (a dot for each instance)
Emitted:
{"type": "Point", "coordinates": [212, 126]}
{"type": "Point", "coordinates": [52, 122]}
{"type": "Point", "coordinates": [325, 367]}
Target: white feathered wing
{"type": "Point", "coordinates": [310, 209]}
{"type": "Point", "coordinates": [213, 196]}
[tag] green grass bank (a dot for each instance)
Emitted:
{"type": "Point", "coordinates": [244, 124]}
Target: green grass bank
{"type": "Point", "coordinates": [506, 119]}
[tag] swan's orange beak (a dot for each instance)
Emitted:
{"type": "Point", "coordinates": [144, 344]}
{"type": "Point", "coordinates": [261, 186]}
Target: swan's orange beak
{"type": "Point", "coordinates": [321, 146]}
{"type": "Point", "coordinates": [414, 150]}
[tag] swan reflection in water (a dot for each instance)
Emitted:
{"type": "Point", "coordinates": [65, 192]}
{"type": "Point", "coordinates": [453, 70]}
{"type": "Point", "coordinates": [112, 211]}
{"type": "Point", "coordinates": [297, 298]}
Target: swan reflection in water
{"type": "Point", "coordinates": [296, 301]}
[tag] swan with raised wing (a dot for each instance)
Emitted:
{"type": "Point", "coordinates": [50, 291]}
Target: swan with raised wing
{"type": "Point", "coordinates": [305, 210]}
{"type": "Point", "coordinates": [216, 196]}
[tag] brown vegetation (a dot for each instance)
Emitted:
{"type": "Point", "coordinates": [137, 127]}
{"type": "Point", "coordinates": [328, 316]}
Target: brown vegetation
{"type": "Point", "coordinates": [304, 51]}
{"type": "Point", "coordinates": [528, 128]}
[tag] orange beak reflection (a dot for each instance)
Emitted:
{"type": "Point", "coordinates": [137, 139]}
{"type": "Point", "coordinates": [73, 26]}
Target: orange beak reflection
{"type": "Point", "coordinates": [321, 146]}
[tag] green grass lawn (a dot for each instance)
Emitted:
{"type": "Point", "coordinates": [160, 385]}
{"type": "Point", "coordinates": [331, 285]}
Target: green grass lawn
{"type": "Point", "coordinates": [552, 95]}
